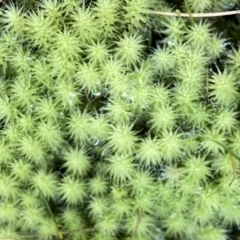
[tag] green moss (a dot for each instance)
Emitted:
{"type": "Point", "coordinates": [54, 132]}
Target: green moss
{"type": "Point", "coordinates": [105, 137]}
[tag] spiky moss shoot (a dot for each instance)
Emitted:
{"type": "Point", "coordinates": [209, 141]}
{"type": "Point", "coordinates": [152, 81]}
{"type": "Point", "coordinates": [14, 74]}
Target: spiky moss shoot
{"type": "Point", "coordinates": [190, 77]}
{"type": "Point", "coordinates": [129, 49]}
{"type": "Point", "coordinates": [145, 228]}
{"type": "Point", "coordinates": [9, 213]}
{"type": "Point", "coordinates": [69, 6]}
{"type": "Point", "coordinates": [47, 109]}
{"type": "Point", "coordinates": [223, 87]}
{"type": "Point", "coordinates": [199, 6]}
{"type": "Point", "coordinates": [178, 204]}
{"type": "Point", "coordinates": [222, 165]}
{"type": "Point", "coordinates": [225, 121]}
{"type": "Point", "coordinates": [233, 61]}
{"type": "Point", "coordinates": [52, 10]}
{"type": "Point", "coordinates": [186, 188]}
{"type": "Point", "coordinates": [70, 219]}
{"type": "Point", "coordinates": [26, 123]}
{"type": "Point", "coordinates": [178, 226]}
{"type": "Point", "coordinates": [162, 60]}
{"type": "Point", "coordinates": [199, 34]}
{"type": "Point", "coordinates": [121, 208]}
{"type": "Point", "coordinates": [48, 228]}
{"type": "Point", "coordinates": [143, 74]}
{"type": "Point", "coordinates": [180, 53]}
{"type": "Point", "coordinates": [41, 73]}
{"type": "Point", "coordinates": [68, 44]}
{"type": "Point", "coordinates": [162, 118]}
{"type": "Point", "coordinates": [39, 30]}
{"type": "Point", "coordinates": [149, 152]}
{"type": "Point", "coordinates": [31, 218]}
{"type": "Point", "coordinates": [139, 98]}
{"type": "Point", "coordinates": [235, 142]}
{"type": "Point", "coordinates": [174, 28]}
{"type": "Point", "coordinates": [97, 185]}
{"type": "Point", "coordinates": [23, 92]}
{"type": "Point", "coordinates": [9, 43]}
{"type": "Point", "coordinates": [6, 152]}
{"type": "Point", "coordinates": [100, 129]}
{"type": "Point", "coordinates": [76, 161]}
{"type": "Point", "coordinates": [191, 142]}
{"type": "Point", "coordinates": [3, 84]}
{"type": "Point", "coordinates": [120, 88]}
{"type": "Point", "coordinates": [119, 191]}
{"type": "Point", "coordinates": [88, 78]}
{"type": "Point", "coordinates": [21, 170]}
{"type": "Point", "coordinates": [212, 142]}
{"type": "Point", "coordinates": [118, 112]}
{"type": "Point", "coordinates": [160, 96]}
{"type": "Point", "coordinates": [120, 167]}
{"type": "Point", "coordinates": [28, 199]}
{"type": "Point", "coordinates": [172, 174]}
{"type": "Point", "coordinates": [61, 67]}
{"type": "Point", "coordinates": [20, 60]}
{"type": "Point", "coordinates": [32, 150]}
{"type": "Point", "coordinates": [98, 207]}
{"type": "Point", "coordinates": [209, 198]}
{"type": "Point", "coordinates": [122, 139]}
{"type": "Point", "coordinates": [171, 145]}
{"type": "Point", "coordinates": [44, 182]}
{"type": "Point", "coordinates": [9, 232]}
{"type": "Point", "coordinates": [111, 70]}
{"type": "Point", "coordinates": [201, 215]}
{"type": "Point", "coordinates": [107, 14]}
{"type": "Point", "coordinates": [78, 126]}
{"type": "Point", "coordinates": [13, 19]}
{"type": "Point", "coordinates": [7, 109]}
{"type": "Point", "coordinates": [230, 211]}
{"type": "Point", "coordinates": [195, 58]}
{"type": "Point", "coordinates": [211, 233]}
{"type": "Point", "coordinates": [142, 181]}
{"type": "Point", "coordinates": [72, 191]}
{"type": "Point", "coordinates": [11, 134]}
{"type": "Point", "coordinates": [97, 53]}
{"type": "Point", "coordinates": [85, 26]}
{"type": "Point", "coordinates": [197, 117]}
{"type": "Point", "coordinates": [196, 169]}
{"type": "Point", "coordinates": [163, 192]}
{"type": "Point", "coordinates": [185, 97]}
{"type": "Point", "coordinates": [66, 93]}
{"type": "Point", "coordinates": [50, 135]}
{"type": "Point", "coordinates": [143, 202]}
{"type": "Point", "coordinates": [229, 185]}
{"type": "Point", "coordinates": [107, 225]}
{"type": "Point", "coordinates": [135, 15]}
{"type": "Point", "coordinates": [217, 47]}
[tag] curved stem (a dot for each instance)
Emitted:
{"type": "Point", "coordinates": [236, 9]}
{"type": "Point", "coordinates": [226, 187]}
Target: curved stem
{"type": "Point", "coordinates": [195, 15]}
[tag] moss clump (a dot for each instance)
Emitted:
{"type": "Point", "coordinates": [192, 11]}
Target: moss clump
{"type": "Point", "coordinates": [104, 137]}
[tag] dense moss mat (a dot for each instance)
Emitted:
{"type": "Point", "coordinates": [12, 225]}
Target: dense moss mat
{"type": "Point", "coordinates": [119, 124]}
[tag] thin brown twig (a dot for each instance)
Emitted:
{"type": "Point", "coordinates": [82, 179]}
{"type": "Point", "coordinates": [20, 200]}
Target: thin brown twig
{"type": "Point", "coordinates": [211, 14]}
{"type": "Point", "coordinates": [234, 169]}
{"type": "Point", "coordinates": [207, 91]}
{"type": "Point", "coordinates": [137, 225]}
